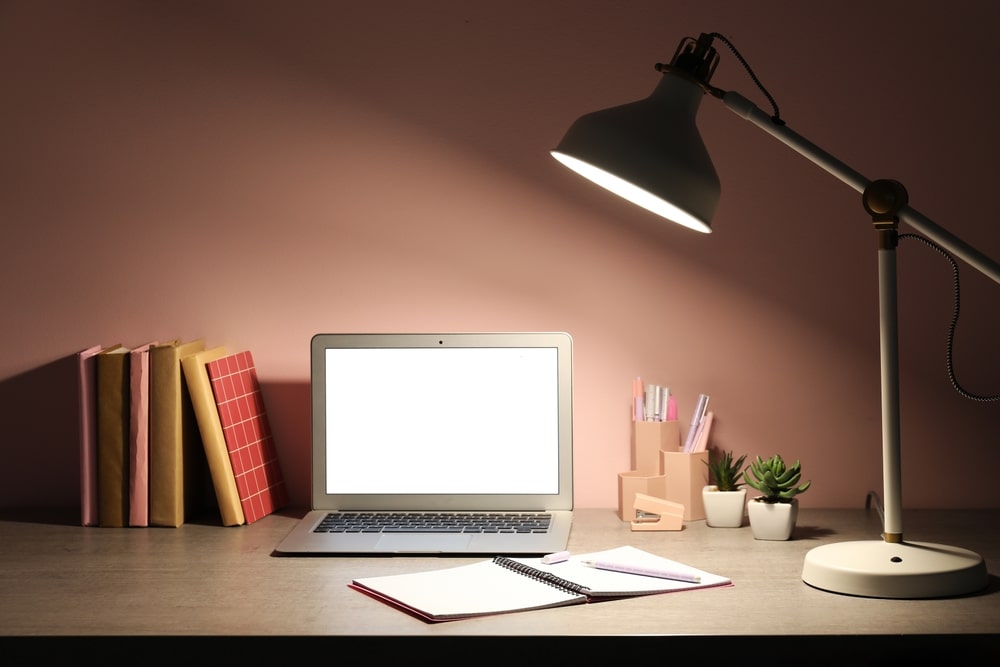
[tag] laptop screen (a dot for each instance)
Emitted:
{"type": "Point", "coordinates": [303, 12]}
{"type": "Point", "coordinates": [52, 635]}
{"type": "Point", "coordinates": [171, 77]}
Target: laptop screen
{"type": "Point", "coordinates": [455, 420]}
{"type": "Point", "coordinates": [425, 421]}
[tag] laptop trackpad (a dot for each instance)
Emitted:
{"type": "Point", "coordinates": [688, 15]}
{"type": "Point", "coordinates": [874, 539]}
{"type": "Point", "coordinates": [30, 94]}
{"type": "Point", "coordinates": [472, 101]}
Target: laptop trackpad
{"type": "Point", "coordinates": [422, 543]}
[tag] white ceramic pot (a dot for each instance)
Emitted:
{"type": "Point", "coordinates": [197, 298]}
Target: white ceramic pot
{"type": "Point", "coordinates": [723, 509]}
{"type": "Point", "coordinates": [772, 521]}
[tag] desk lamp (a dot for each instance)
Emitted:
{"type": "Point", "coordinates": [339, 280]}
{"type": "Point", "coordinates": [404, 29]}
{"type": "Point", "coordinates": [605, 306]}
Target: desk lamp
{"type": "Point", "coordinates": [650, 153]}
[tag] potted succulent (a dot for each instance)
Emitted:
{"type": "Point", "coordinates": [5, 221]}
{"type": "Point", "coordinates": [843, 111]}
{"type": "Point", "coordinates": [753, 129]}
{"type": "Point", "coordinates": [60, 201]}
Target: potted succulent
{"type": "Point", "coordinates": [724, 497]}
{"type": "Point", "coordinates": [774, 513]}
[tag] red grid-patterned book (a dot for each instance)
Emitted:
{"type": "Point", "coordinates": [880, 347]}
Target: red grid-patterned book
{"type": "Point", "coordinates": [248, 435]}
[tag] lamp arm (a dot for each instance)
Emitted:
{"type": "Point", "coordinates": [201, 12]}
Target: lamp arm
{"type": "Point", "coordinates": [888, 325]}
{"type": "Point", "coordinates": [746, 109]}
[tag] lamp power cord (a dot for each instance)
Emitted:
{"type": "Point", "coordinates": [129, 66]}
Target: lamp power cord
{"type": "Point", "coordinates": [954, 322]}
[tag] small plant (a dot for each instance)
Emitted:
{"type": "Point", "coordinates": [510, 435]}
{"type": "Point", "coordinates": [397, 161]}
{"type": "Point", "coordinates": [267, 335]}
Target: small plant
{"type": "Point", "coordinates": [725, 472]}
{"type": "Point", "coordinates": [776, 481]}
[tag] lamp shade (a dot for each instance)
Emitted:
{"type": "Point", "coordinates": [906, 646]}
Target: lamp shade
{"type": "Point", "coordinates": [650, 153]}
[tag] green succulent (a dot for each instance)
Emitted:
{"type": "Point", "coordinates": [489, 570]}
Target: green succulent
{"type": "Point", "coordinates": [774, 480]}
{"type": "Point", "coordinates": [725, 472]}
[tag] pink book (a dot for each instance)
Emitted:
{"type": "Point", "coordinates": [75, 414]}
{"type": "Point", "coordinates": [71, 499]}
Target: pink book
{"type": "Point", "coordinates": [87, 401]}
{"type": "Point", "coordinates": [247, 432]}
{"type": "Point", "coordinates": [138, 484]}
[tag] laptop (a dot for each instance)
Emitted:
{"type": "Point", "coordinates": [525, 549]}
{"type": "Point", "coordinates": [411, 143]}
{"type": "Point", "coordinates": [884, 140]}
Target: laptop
{"type": "Point", "coordinates": [453, 443]}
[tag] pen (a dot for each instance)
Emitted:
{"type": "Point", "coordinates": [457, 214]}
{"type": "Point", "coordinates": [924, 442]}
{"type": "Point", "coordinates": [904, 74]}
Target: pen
{"type": "Point", "coordinates": [650, 402]}
{"type": "Point", "coordinates": [699, 414]}
{"type": "Point", "coordinates": [701, 440]}
{"type": "Point", "coordinates": [638, 409]}
{"type": "Point", "coordinates": [644, 571]}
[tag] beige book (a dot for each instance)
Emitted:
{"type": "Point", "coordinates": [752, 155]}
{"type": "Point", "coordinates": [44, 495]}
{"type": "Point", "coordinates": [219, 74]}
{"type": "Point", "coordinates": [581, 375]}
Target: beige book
{"type": "Point", "coordinates": [175, 450]}
{"type": "Point", "coordinates": [210, 427]}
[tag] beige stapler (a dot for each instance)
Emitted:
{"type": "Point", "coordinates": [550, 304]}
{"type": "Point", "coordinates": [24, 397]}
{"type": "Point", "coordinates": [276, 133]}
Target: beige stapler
{"type": "Point", "coordinates": [653, 513]}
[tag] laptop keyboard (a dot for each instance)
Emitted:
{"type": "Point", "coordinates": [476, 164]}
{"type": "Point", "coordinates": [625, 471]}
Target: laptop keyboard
{"type": "Point", "coordinates": [434, 522]}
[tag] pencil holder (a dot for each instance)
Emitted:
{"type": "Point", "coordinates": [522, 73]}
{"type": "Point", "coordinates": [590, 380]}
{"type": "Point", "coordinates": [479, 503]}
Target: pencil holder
{"type": "Point", "coordinates": [649, 441]}
{"type": "Point", "coordinates": [684, 477]}
{"type": "Point", "coordinates": [631, 483]}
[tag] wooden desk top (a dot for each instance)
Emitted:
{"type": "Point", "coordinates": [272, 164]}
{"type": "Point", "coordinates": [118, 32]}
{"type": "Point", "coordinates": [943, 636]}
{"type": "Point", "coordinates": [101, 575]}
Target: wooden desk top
{"type": "Point", "coordinates": [62, 579]}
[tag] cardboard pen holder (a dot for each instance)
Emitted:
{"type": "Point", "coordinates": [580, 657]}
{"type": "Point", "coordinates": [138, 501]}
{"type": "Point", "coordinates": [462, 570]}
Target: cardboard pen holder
{"type": "Point", "coordinates": [661, 470]}
{"type": "Point", "coordinates": [684, 477]}
{"type": "Point", "coordinates": [649, 440]}
{"type": "Point", "coordinates": [632, 483]}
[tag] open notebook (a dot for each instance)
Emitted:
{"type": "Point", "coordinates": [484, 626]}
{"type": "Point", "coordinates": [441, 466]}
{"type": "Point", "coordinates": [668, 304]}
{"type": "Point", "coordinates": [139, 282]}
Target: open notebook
{"type": "Point", "coordinates": [472, 424]}
{"type": "Point", "coordinates": [505, 585]}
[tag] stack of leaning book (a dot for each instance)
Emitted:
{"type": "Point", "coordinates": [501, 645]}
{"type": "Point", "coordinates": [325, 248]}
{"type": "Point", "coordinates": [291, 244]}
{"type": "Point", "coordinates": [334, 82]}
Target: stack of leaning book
{"type": "Point", "coordinates": [161, 423]}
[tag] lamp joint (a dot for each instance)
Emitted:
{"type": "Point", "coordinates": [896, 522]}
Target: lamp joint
{"type": "Point", "coordinates": [884, 199]}
{"type": "Point", "coordinates": [695, 59]}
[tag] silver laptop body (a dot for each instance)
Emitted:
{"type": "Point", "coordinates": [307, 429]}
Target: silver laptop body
{"type": "Point", "coordinates": [454, 423]}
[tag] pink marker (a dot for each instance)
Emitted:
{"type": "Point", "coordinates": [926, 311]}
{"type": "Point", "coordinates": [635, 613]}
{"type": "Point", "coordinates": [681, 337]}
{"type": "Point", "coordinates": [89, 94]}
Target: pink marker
{"type": "Point", "coordinates": [671, 408]}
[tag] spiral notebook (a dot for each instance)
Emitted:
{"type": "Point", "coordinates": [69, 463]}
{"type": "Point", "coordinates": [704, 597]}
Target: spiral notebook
{"type": "Point", "coordinates": [504, 585]}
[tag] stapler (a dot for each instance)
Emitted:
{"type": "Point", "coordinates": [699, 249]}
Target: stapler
{"type": "Point", "coordinates": [653, 513]}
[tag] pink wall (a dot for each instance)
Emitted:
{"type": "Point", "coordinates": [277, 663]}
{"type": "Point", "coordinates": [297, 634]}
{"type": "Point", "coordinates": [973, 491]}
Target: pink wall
{"type": "Point", "coordinates": [255, 173]}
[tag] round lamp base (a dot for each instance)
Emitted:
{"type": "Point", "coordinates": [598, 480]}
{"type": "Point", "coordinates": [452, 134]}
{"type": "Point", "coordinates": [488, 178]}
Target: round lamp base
{"type": "Point", "coordinates": [881, 569]}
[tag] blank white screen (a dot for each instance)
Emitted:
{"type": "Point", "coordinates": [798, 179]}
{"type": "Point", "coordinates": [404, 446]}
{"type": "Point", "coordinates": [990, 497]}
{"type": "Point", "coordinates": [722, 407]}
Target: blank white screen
{"type": "Point", "coordinates": [442, 420]}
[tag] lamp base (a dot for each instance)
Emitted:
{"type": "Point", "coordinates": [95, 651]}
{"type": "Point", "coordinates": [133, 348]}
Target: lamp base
{"type": "Point", "coordinates": [880, 569]}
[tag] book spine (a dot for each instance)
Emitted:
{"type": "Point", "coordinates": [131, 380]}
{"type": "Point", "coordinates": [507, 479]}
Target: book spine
{"type": "Point", "coordinates": [138, 504]}
{"type": "Point", "coordinates": [112, 437]}
{"type": "Point", "coordinates": [210, 427]}
{"type": "Point", "coordinates": [87, 404]}
{"type": "Point", "coordinates": [175, 448]}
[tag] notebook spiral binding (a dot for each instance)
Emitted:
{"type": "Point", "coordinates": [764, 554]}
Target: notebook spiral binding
{"type": "Point", "coordinates": [540, 575]}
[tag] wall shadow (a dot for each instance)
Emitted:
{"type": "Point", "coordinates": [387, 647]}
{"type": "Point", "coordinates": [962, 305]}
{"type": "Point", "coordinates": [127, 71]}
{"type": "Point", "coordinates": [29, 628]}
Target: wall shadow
{"type": "Point", "coordinates": [40, 420]}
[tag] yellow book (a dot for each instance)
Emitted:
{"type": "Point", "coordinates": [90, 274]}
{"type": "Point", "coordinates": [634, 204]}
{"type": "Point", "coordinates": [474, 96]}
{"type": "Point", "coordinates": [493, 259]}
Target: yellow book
{"type": "Point", "coordinates": [210, 426]}
{"type": "Point", "coordinates": [175, 449]}
{"type": "Point", "coordinates": [112, 370]}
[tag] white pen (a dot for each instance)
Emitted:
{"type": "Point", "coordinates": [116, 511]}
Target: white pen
{"type": "Point", "coordinates": [699, 413]}
{"type": "Point", "coordinates": [644, 571]}
{"type": "Point", "coordinates": [557, 557]}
